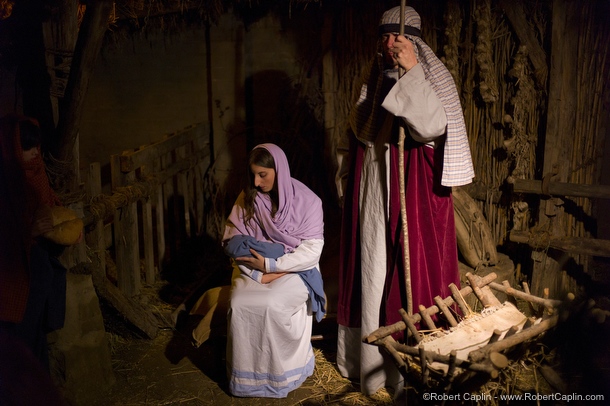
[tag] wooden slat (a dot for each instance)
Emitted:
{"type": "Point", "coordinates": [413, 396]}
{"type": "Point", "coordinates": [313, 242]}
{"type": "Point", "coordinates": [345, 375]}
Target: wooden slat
{"type": "Point", "coordinates": [159, 218]}
{"type": "Point", "coordinates": [199, 173]}
{"type": "Point", "coordinates": [148, 233]}
{"type": "Point", "coordinates": [169, 191]}
{"type": "Point", "coordinates": [183, 191]}
{"type": "Point", "coordinates": [95, 238]}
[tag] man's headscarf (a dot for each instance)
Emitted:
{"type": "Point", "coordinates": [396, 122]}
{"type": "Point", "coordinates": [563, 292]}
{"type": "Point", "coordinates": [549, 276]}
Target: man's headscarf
{"type": "Point", "coordinates": [368, 116]}
{"type": "Point", "coordinates": [299, 215]}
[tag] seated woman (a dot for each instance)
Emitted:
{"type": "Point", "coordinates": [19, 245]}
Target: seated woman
{"type": "Point", "coordinates": [275, 233]}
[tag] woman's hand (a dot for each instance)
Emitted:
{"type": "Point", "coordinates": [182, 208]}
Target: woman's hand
{"type": "Point", "coordinates": [255, 262]}
{"type": "Point", "coordinates": [270, 277]}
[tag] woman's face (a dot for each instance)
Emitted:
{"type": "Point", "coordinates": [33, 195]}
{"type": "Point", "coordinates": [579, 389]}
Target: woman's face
{"type": "Point", "coordinates": [264, 178]}
{"type": "Point", "coordinates": [30, 154]}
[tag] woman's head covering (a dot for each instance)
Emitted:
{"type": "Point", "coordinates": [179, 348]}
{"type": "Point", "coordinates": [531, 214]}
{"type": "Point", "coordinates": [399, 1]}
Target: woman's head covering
{"type": "Point", "coordinates": [299, 215]}
{"type": "Point", "coordinates": [367, 118]}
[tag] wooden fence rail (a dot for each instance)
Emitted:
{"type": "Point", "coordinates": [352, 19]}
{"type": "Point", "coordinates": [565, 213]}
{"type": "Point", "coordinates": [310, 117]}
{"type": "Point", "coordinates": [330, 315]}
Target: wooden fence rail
{"type": "Point", "coordinates": [157, 202]}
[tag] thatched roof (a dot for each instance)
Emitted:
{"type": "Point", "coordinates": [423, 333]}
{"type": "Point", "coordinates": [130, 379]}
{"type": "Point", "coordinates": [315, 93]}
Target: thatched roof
{"type": "Point", "coordinates": [206, 9]}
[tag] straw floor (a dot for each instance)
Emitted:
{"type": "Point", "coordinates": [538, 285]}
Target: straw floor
{"type": "Point", "coordinates": [168, 370]}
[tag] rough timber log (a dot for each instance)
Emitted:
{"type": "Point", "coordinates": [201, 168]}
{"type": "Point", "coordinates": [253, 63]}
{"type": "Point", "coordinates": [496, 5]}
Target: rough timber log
{"type": "Point", "coordinates": [559, 188]}
{"type": "Point", "coordinates": [573, 245]}
{"type": "Point", "coordinates": [518, 19]}
{"type": "Point", "coordinates": [426, 356]}
{"type": "Point", "coordinates": [88, 46]}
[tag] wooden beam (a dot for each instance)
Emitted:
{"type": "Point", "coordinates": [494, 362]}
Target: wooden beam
{"type": "Point", "coordinates": [138, 316]}
{"type": "Point", "coordinates": [518, 19]}
{"type": "Point", "coordinates": [559, 188]}
{"type": "Point", "coordinates": [481, 192]}
{"type": "Point", "coordinates": [158, 10]}
{"type": "Point", "coordinates": [132, 160]}
{"type": "Point", "coordinates": [573, 245]}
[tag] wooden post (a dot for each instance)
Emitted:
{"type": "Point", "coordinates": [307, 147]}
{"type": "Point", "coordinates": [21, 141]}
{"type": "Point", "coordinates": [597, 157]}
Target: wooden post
{"type": "Point", "coordinates": [88, 45]}
{"type": "Point", "coordinates": [126, 234]}
{"type": "Point", "coordinates": [60, 33]}
{"type": "Point", "coordinates": [561, 119]}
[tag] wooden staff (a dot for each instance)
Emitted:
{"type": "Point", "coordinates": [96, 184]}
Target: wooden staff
{"type": "Point", "coordinates": [401, 178]}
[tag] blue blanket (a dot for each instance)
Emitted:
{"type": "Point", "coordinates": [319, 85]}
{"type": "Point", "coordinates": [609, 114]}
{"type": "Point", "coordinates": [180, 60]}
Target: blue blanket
{"type": "Point", "coordinates": [240, 245]}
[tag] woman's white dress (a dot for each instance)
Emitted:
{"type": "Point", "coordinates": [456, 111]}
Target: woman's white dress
{"type": "Point", "coordinates": [269, 350]}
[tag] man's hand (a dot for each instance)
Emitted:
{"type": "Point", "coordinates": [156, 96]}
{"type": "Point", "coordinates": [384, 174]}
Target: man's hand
{"type": "Point", "coordinates": [404, 53]}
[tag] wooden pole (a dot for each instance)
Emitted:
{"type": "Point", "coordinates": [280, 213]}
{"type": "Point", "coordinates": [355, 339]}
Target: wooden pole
{"type": "Point", "coordinates": [401, 178]}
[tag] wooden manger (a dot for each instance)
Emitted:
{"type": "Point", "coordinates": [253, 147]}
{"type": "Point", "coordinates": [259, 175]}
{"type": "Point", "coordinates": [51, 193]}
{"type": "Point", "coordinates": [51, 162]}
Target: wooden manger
{"type": "Point", "coordinates": [444, 358]}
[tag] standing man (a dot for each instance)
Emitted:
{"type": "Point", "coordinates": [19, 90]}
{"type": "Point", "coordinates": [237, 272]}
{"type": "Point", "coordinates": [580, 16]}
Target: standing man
{"type": "Point", "coordinates": [372, 283]}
